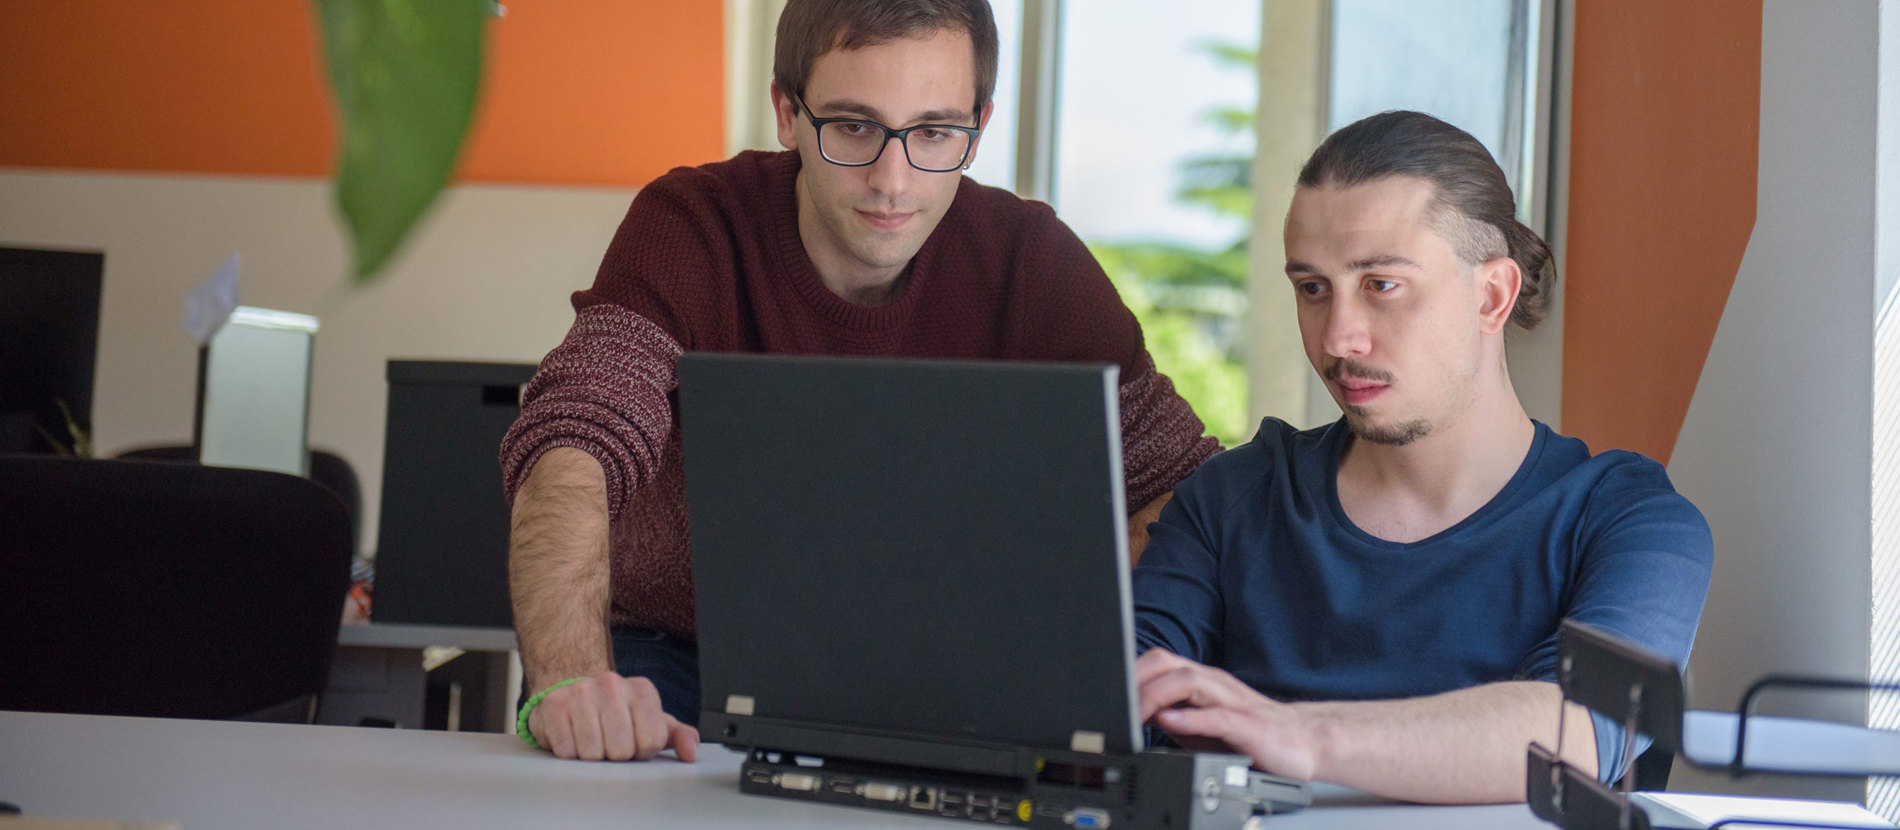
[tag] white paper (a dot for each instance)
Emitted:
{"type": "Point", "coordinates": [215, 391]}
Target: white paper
{"type": "Point", "coordinates": [211, 302]}
{"type": "Point", "coordinates": [1690, 810]}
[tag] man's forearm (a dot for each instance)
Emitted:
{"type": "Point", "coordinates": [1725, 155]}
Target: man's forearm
{"type": "Point", "coordinates": [1466, 746]}
{"type": "Point", "coordinates": [558, 569]}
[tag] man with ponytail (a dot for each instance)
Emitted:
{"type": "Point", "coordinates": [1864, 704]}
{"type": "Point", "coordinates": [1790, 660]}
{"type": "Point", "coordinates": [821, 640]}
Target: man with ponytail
{"type": "Point", "coordinates": [1375, 602]}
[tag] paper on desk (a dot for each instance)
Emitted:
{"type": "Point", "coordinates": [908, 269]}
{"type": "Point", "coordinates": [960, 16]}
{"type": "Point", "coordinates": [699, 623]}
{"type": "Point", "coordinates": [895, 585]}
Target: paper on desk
{"type": "Point", "coordinates": [1690, 810]}
{"type": "Point", "coordinates": [211, 302]}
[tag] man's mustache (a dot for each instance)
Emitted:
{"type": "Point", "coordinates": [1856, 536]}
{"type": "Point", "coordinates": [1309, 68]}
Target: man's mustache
{"type": "Point", "coordinates": [1349, 369]}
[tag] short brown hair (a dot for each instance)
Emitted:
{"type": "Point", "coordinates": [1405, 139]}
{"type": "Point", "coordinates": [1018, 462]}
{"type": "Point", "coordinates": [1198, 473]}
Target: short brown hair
{"type": "Point", "coordinates": [810, 28]}
{"type": "Point", "coordinates": [1472, 203]}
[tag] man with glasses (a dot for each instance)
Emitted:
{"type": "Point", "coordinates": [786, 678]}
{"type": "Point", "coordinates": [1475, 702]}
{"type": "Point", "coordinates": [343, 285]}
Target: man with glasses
{"type": "Point", "coordinates": [862, 239]}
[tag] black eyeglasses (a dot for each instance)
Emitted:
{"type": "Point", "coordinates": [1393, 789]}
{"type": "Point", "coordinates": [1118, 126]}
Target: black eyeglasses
{"type": "Point", "coordinates": [855, 142]}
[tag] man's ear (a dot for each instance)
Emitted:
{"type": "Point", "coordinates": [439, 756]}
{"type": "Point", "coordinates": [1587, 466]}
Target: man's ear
{"type": "Point", "coordinates": [1498, 282]}
{"type": "Point", "coordinates": [786, 113]}
{"type": "Point", "coordinates": [982, 122]}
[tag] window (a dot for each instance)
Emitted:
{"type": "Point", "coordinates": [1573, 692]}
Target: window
{"type": "Point", "coordinates": [1469, 62]}
{"type": "Point", "coordinates": [996, 157]}
{"type": "Point", "coordinates": [1154, 146]}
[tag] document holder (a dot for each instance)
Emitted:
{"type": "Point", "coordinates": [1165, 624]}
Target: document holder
{"type": "Point", "coordinates": [1647, 693]}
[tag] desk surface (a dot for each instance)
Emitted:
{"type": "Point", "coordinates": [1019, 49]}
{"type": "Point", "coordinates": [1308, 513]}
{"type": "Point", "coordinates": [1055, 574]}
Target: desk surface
{"type": "Point", "coordinates": [210, 775]}
{"type": "Point", "coordinates": [407, 635]}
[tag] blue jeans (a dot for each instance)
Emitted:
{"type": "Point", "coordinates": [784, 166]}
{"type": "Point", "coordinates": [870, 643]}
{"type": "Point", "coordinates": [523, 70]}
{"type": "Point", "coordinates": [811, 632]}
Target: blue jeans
{"type": "Point", "coordinates": [670, 662]}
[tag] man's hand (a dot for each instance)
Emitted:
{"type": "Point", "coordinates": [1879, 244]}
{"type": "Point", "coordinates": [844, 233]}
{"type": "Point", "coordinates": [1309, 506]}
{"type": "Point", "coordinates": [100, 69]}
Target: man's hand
{"type": "Point", "coordinates": [1459, 747]}
{"type": "Point", "coordinates": [1138, 526]}
{"type": "Point", "coordinates": [606, 716]}
{"type": "Point", "coordinates": [1206, 708]}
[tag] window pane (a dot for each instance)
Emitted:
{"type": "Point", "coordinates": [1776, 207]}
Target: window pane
{"type": "Point", "coordinates": [1154, 147]}
{"type": "Point", "coordinates": [1450, 58]}
{"type": "Point", "coordinates": [996, 155]}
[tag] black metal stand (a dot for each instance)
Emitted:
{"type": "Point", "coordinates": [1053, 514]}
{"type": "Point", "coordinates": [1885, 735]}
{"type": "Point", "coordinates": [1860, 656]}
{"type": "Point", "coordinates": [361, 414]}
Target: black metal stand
{"type": "Point", "coordinates": [1646, 692]}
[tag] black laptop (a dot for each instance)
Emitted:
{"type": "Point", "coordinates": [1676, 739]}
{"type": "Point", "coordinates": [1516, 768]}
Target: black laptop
{"type": "Point", "coordinates": [913, 591]}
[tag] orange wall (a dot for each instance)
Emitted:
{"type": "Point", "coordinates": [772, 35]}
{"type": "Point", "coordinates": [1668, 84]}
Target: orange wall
{"type": "Point", "coordinates": [603, 92]}
{"type": "Point", "coordinates": [1665, 112]}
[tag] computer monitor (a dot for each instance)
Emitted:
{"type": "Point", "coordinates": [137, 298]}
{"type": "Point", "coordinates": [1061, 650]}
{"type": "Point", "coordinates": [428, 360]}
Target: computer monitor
{"type": "Point", "coordinates": [49, 343]}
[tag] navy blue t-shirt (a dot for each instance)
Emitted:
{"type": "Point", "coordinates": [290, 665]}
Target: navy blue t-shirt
{"type": "Point", "coordinates": [1255, 568]}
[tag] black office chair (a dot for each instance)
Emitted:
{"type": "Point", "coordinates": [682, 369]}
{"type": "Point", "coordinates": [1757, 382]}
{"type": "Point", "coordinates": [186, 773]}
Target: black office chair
{"type": "Point", "coordinates": [326, 468]}
{"type": "Point", "coordinates": [167, 590]}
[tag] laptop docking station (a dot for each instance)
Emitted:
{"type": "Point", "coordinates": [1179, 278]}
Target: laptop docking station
{"type": "Point", "coordinates": [1003, 785]}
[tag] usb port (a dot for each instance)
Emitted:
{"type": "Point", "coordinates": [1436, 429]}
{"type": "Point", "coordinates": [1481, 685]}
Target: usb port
{"type": "Point", "coordinates": [883, 792]}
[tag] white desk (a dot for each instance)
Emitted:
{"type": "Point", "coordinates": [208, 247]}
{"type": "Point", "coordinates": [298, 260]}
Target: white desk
{"type": "Point", "coordinates": [405, 635]}
{"type": "Point", "coordinates": [212, 775]}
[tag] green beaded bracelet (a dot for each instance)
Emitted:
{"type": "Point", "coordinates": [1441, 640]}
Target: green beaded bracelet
{"type": "Point", "coordinates": [521, 720]}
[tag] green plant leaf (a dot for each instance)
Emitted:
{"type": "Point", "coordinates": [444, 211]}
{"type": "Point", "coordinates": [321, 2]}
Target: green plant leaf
{"type": "Point", "coordinates": [405, 74]}
{"type": "Point", "coordinates": [1233, 120]}
{"type": "Point", "coordinates": [1230, 55]}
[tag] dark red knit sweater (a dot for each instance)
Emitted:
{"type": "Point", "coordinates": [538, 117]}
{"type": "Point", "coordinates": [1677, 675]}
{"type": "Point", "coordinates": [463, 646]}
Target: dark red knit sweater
{"type": "Point", "coordinates": [709, 259]}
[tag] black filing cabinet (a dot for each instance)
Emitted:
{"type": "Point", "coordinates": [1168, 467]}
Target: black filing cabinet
{"type": "Point", "coordinates": [442, 551]}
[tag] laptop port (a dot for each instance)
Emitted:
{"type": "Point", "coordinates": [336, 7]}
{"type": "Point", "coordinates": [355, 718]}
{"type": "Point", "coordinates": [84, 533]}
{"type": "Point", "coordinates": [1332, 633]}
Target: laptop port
{"type": "Point", "coordinates": [923, 798]}
{"type": "Point", "coordinates": [883, 792]}
{"type": "Point", "coordinates": [798, 781]}
{"type": "Point", "coordinates": [977, 806]}
{"type": "Point", "coordinates": [1087, 818]}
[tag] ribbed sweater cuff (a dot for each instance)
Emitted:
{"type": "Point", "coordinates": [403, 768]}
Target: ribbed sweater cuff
{"type": "Point", "coordinates": [1162, 440]}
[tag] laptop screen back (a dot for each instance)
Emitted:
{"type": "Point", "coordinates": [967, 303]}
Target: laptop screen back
{"type": "Point", "coordinates": [913, 548]}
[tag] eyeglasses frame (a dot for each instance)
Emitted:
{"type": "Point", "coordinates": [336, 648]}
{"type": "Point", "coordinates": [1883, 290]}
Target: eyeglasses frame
{"type": "Point", "coordinates": [902, 136]}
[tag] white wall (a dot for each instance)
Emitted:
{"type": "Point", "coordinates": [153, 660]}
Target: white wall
{"type": "Point", "coordinates": [486, 278]}
{"type": "Point", "coordinates": [1776, 446]}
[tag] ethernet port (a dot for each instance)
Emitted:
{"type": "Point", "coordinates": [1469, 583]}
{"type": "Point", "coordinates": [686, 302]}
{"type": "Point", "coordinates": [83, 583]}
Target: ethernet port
{"type": "Point", "coordinates": [923, 798]}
